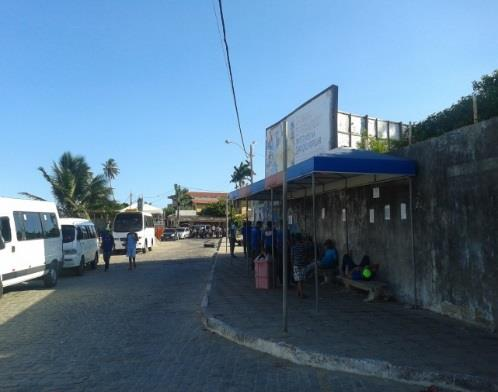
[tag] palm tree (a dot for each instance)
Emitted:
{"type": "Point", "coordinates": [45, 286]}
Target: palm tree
{"type": "Point", "coordinates": [74, 186]}
{"type": "Point", "coordinates": [241, 174]}
{"type": "Point", "coordinates": [111, 171]}
{"type": "Point", "coordinates": [182, 199]}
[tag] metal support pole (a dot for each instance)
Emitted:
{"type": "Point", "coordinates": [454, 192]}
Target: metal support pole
{"type": "Point", "coordinates": [250, 162]}
{"type": "Point", "coordinates": [346, 209]}
{"type": "Point", "coordinates": [315, 250]}
{"type": "Point", "coordinates": [284, 228]}
{"type": "Point", "coordinates": [226, 236]}
{"type": "Point", "coordinates": [247, 237]}
{"type": "Point", "coordinates": [414, 266]}
{"type": "Point", "coordinates": [274, 261]}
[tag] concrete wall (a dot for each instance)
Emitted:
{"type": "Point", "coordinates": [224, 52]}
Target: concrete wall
{"type": "Point", "coordinates": [455, 225]}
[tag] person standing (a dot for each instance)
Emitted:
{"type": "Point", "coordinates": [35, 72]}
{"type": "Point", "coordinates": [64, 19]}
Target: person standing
{"type": "Point", "coordinates": [268, 238]}
{"type": "Point", "coordinates": [131, 249]}
{"type": "Point", "coordinates": [107, 247]}
{"type": "Point", "coordinates": [232, 234]}
{"type": "Point", "coordinates": [298, 256]}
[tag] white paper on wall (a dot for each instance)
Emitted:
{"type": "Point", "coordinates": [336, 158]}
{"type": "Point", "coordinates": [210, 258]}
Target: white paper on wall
{"type": "Point", "coordinates": [372, 215]}
{"type": "Point", "coordinates": [403, 211]}
{"type": "Point", "coordinates": [387, 212]}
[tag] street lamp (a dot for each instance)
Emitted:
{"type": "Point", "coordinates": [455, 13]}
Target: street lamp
{"type": "Point", "coordinates": [248, 156]}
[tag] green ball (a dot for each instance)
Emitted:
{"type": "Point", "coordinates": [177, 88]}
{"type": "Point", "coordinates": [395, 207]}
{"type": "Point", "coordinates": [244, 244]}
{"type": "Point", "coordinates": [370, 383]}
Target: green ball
{"type": "Point", "coordinates": [366, 273]}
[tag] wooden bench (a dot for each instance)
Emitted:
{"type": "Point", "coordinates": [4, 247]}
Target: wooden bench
{"type": "Point", "coordinates": [374, 288]}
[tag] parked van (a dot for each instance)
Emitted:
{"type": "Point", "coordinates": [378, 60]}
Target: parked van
{"type": "Point", "coordinates": [80, 244]}
{"type": "Point", "coordinates": [30, 242]}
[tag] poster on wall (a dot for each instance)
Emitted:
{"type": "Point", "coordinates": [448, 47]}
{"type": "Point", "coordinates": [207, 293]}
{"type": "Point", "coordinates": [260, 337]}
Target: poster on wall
{"type": "Point", "coordinates": [311, 130]}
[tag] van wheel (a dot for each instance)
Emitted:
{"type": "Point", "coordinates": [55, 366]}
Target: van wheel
{"type": "Point", "coordinates": [144, 249]}
{"type": "Point", "coordinates": [151, 244]}
{"type": "Point", "coordinates": [95, 261]}
{"type": "Point", "coordinates": [50, 279]}
{"type": "Point", "coordinates": [80, 270]}
{"type": "Point", "coordinates": [1, 289]}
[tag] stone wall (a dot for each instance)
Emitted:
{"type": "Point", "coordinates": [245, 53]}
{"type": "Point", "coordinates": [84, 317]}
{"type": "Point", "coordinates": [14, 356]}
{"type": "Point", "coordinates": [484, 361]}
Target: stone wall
{"type": "Point", "coordinates": [455, 217]}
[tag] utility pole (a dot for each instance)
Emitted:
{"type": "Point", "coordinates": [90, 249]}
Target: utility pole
{"type": "Point", "coordinates": [250, 162]}
{"type": "Point", "coordinates": [131, 199]}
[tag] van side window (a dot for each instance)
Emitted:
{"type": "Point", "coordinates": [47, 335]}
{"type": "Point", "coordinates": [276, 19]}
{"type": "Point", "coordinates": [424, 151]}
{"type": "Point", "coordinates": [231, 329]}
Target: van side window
{"type": "Point", "coordinates": [5, 229]}
{"type": "Point", "coordinates": [87, 233]}
{"type": "Point", "coordinates": [19, 222]}
{"type": "Point", "coordinates": [32, 225]}
{"type": "Point", "coordinates": [50, 226]}
{"type": "Point", "coordinates": [93, 232]}
{"type": "Point", "coordinates": [79, 233]}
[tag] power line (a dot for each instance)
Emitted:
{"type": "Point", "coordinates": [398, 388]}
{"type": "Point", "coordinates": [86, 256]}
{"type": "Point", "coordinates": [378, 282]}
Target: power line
{"type": "Point", "coordinates": [231, 75]}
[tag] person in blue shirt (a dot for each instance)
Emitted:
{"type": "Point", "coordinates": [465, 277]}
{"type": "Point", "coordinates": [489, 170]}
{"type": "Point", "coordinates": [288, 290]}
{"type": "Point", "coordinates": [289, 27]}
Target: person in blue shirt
{"type": "Point", "coordinates": [329, 258]}
{"type": "Point", "coordinates": [131, 249]}
{"type": "Point", "coordinates": [255, 241]}
{"type": "Point", "coordinates": [107, 247]}
{"type": "Point", "coordinates": [232, 235]}
{"type": "Point", "coordinates": [268, 238]}
{"type": "Point", "coordinates": [246, 237]}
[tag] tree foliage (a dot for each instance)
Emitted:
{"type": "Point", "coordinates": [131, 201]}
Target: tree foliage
{"type": "Point", "coordinates": [217, 209]}
{"type": "Point", "coordinates": [111, 171]}
{"type": "Point", "coordinates": [241, 174]}
{"type": "Point", "coordinates": [461, 113]}
{"type": "Point", "coordinates": [77, 191]}
{"type": "Point", "coordinates": [182, 199]}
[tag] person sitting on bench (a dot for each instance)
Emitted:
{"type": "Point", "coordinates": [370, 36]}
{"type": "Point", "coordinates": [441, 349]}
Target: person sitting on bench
{"type": "Point", "coordinates": [329, 260]}
{"type": "Point", "coordinates": [355, 271]}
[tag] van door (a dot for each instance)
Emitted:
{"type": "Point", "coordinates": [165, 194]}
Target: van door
{"type": "Point", "coordinates": [52, 235]}
{"type": "Point", "coordinates": [80, 241]}
{"type": "Point", "coordinates": [6, 255]}
{"type": "Point", "coordinates": [30, 249]}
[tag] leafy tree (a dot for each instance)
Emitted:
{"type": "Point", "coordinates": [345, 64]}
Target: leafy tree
{"type": "Point", "coordinates": [461, 113]}
{"type": "Point", "coordinates": [167, 211]}
{"type": "Point", "coordinates": [217, 209]}
{"type": "Point", "coordinates": [111, 171]}
{"type": "Point", "coordinates": [241, 174]}
{"type": "Point", "coordinates": [76, 189]}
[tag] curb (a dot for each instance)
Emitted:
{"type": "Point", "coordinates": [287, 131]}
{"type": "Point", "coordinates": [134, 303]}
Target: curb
{"type": "Point", "coordinates": [364, 367]}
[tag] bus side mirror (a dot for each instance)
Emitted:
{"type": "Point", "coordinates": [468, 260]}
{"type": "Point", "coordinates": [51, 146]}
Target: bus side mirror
{"type": "Point", "coordinates": [2, 243]}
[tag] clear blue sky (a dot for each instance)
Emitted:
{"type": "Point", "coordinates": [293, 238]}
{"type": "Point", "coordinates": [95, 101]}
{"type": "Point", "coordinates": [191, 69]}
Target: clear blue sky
{"type": "Point", "coordinates": [145, 83]}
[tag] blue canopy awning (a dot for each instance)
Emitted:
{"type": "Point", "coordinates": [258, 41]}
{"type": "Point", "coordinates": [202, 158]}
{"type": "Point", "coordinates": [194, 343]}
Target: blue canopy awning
{"type": "Point", "coordinates": [343, 166]}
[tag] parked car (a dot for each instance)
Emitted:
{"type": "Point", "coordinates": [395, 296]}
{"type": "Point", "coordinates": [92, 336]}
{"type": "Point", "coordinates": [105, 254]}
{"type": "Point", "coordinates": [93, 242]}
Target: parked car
{"type": "Point", "coordinates": [183, 232]}
{"type": "Point", "coordinates": [30, 242]}
{"type": "Point", "coordinates": [80, 244]}
{"type": "Point", "coordinates": [169, 234]}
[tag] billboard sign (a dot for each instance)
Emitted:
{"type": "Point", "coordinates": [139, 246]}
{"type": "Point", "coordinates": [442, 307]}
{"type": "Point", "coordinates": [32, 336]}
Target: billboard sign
{"type": "Point", "coordinates": [311, 130]}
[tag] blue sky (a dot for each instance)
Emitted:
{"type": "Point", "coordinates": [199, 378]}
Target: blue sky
{"type": "Point", "coordinates": [145, 83]}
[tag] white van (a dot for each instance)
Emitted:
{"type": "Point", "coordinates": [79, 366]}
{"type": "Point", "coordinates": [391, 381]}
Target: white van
{"type": "Point", "coordinates": [80, 244]}
{"type": "Point", "coordinates": [139, 222]}
{"type": "Point", "coordinates": [30, 242]}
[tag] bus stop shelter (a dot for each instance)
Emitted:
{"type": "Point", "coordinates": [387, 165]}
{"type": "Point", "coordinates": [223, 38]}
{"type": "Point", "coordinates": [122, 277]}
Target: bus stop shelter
{"type": "Point", "coordinates": [340, 169]}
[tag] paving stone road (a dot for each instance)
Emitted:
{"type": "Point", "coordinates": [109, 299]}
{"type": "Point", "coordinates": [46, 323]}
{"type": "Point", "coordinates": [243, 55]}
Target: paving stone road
{"type": "Point", "coordinates": [140, 331]}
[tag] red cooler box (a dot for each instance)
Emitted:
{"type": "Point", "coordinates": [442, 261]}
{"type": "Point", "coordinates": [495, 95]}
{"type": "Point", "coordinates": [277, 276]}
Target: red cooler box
{"type": "Point", "coordinates": [262, 273]}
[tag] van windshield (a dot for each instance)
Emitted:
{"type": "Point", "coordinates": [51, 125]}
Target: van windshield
{"type": "Point", "coordinates": [67, 233]}
{"type": "Point", "coordinates": [125, 223]}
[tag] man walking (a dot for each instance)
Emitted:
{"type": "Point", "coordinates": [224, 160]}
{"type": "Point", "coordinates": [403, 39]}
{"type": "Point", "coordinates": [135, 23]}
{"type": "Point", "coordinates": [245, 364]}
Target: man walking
{"type": "Point", "coordinates": [232, 234]}
{"type": "Point", "coordinates": [131, 249]}
{"type": "Point", "coordinates": [107, 247]}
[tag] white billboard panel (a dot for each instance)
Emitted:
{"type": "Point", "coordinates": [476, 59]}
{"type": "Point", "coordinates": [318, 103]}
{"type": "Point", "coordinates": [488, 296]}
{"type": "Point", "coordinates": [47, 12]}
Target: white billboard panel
{"type": "Point", "coordinates": [311, 131]}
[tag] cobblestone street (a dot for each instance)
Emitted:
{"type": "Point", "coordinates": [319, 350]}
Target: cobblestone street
{"type": "Point", "coordinates": [140, 330]}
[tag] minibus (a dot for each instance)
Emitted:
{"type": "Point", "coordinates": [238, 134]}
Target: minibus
{"type": "Point", "coordinates": [80, 244]}
{"type": "Point", "coordinates": [133, 221]}
{"type": "Point", "coordinates": [30, 242]}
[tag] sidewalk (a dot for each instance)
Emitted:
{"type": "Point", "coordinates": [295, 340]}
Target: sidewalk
{"type": "Point", "coordinates": [383, 339]}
